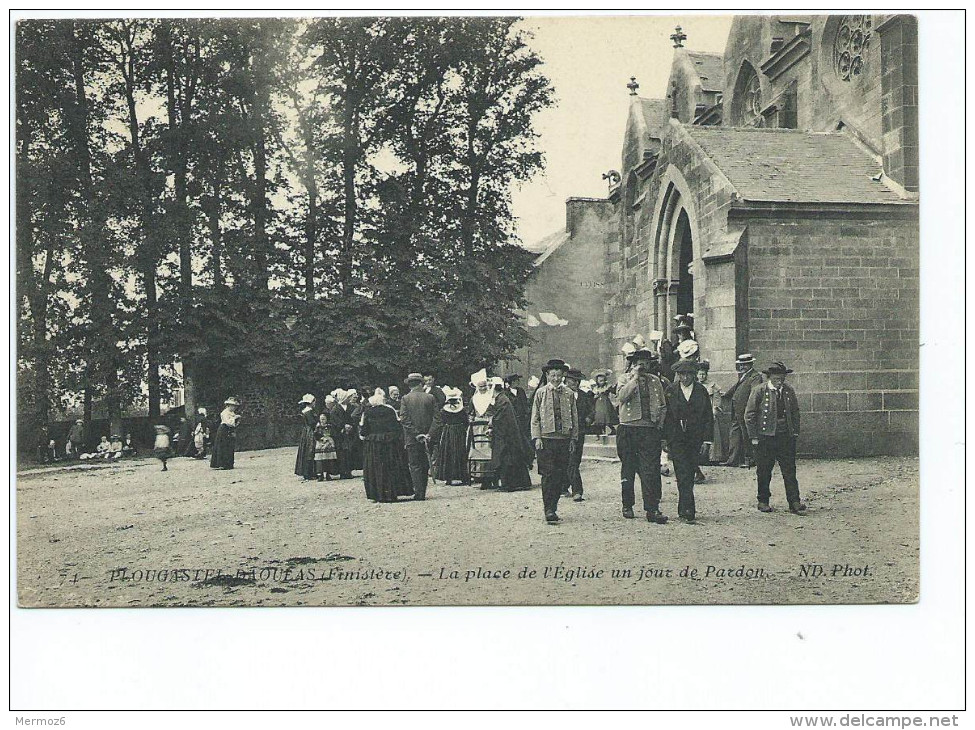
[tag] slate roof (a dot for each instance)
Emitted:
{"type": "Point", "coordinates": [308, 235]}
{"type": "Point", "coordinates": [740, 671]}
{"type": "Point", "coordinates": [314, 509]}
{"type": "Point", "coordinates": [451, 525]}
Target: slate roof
{"type": "Point", "coordinates": [786, 165]}
{"type": "Point", "coordinates": [656, 116]}
{"type": "Point", "coordinates": [548, 245]}
{"type": "Point", "coordinates": [709, 68]}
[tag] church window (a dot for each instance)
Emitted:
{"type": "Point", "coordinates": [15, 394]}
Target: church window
{"type": "Point", "coordinates": [850, 45]}
{"type": "Point", "coordinates": [747, 104]}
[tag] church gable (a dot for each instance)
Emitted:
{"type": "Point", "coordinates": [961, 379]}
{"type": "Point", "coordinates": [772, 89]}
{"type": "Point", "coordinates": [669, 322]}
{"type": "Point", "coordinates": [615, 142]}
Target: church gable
{"type": "Point", "coordinates": [646, 126]}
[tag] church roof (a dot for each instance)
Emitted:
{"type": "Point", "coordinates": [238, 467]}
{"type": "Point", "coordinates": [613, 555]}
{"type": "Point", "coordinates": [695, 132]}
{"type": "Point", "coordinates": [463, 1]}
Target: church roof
{"type": "Point", "coordinates": [709, 68]}
{"type": "Point", "coordinates": [786, 165]}
{"type": "Point", "coordinates": [656, 115]}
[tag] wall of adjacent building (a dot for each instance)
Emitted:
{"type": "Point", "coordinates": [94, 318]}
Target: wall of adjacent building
{"type": "Point", "coordinates": [571, 283]}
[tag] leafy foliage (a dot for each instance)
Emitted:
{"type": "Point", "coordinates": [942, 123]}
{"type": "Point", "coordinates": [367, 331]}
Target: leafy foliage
{"type": "Point", "coordinates": [318, 202]}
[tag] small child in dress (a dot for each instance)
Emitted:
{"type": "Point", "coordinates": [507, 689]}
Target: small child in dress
{"type": "Point", "coordinates": [115, 449]}
{"type": "Point", "coordinates": [103, 449]}
{"type": "Point", "coordinates": [160, 447]}
{"type": "Point", "coordinates": [326, 457]}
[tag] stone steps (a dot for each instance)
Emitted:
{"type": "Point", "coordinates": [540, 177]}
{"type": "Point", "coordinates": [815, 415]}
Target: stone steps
{"type": "Point", "coordinates": [600, 448]}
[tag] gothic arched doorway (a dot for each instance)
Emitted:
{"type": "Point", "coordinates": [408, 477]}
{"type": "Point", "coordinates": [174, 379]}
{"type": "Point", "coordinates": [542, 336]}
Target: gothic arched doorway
{"type": "Point", "coordinates": [684, 274]}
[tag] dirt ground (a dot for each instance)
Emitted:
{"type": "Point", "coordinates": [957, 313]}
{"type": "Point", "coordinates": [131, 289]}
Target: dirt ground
{"type": "Point", "coordinates": [129, 535]}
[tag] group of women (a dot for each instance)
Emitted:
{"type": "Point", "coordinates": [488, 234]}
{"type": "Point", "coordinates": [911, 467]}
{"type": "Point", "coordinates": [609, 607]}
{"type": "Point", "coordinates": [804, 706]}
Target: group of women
{"type": "Point", "coordinates": [484, 441]}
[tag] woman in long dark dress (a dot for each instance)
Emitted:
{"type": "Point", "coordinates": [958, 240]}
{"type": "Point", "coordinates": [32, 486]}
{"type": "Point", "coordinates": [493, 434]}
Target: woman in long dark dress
{"type": "Point", "coordinates": [384, 468]}
{"type": "Point", "coordinates": [343, 431]}
{"type": "Point", "coordinates": [305, 461]}
{"type": "Point", "coordinates": [448, 439]}
{"type": "Point", "coordinates": [491, 415]}
{"type": "Point", "coordinates": [224, 443]}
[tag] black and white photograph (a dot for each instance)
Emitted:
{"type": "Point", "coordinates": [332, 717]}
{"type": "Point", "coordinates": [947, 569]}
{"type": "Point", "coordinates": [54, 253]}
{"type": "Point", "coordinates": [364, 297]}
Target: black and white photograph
{"type": "Point", "coordinates": [468, 310]}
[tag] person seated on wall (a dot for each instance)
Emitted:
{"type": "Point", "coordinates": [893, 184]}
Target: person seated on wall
{"type": "Point", "coordinates": [128, 446]}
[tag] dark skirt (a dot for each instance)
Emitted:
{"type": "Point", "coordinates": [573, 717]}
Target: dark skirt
{"type": "Point", "coordinates": [385, 469]}
{"type": "Point", "coordinates": [605, 413]}
{"type": "Point", "coordinates": [515, 476]}
{"type": "Point", "coordinates": [343, 457]}
{"type": "Point", "coordinates": [305, 462]}
{"type": "Point", "coordinates": [162, 452]}
{"type": "Point", "coordinates": [223, 448]}
{"type": "Point", "coordinates": [451, 453]}
{"type": "Point", "coordinates": [355, 453]}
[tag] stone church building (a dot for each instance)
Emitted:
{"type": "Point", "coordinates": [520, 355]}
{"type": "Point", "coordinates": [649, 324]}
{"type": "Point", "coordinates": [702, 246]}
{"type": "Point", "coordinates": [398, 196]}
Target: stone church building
{"type": "Point", "coordinates": [771, 191]}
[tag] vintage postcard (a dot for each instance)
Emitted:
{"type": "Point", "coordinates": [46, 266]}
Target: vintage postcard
{"type": "Point", "coordinates": [380, 311]}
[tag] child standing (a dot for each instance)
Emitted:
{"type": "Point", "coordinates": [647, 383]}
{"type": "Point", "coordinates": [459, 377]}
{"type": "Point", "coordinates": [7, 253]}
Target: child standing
{"type": "Point", "coordinates": [326, 457]}
{"type": "Point", "coordinates": [160, 447]}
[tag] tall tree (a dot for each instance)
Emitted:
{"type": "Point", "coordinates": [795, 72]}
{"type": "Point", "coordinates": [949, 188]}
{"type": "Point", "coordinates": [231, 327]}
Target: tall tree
{"type": "Point", "coordinates": [86, 61]}
{"type": "Point", "coordinates": [128, 43]}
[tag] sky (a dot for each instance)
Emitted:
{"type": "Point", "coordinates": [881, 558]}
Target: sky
{"type": "Point", "coordinates": [589, 60]}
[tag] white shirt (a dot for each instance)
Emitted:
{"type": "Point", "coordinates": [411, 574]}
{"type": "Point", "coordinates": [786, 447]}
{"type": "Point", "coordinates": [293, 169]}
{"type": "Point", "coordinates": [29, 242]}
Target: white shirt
{"type": "Point", "coordinates": [687, 390]}
{"type": "Point", "coordinates": [229, 418]}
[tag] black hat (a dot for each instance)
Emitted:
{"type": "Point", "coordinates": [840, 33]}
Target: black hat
{"type": "Point", "coordinates": [704, 365]}
{"type": "Point", "coordinates": [682, 328]}
{"type": "Point", "coordinates": [642, 354]}
{"type": "Point", "coordinates": [686, 366]}
{"type": "Point", "coordinates": [555, 364]}
{"type": "Point", "coordinates": [512, 378]}
{"type": "Point", "coordinates": [575, 374]}
{"type": "Point", "coordinates": [777, 368]}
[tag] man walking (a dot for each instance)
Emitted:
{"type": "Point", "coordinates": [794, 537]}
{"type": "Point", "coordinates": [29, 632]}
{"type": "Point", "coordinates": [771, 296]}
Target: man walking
{"type": "Point", "coordinates": [772, 419]}
{"type": "Point", "coordinates": [689, 429]}
{"type": "Point", "coordinates": [417, 411]}
{"type": "Point", "coordinates": [555, 431]}
{"type": "Point", "coordinates": [585, 409]}
{"type": "Point", "coordinates": [643, 410]}
{"type": "Point", "coordinates": [740, 448]}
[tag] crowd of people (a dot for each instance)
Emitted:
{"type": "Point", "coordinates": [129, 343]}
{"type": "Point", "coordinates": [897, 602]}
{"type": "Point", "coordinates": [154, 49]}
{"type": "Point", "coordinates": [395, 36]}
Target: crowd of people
{"type": "Point", "coordinates": [661, 406]}
{"type": "Point", "coordinates": [662, 410]}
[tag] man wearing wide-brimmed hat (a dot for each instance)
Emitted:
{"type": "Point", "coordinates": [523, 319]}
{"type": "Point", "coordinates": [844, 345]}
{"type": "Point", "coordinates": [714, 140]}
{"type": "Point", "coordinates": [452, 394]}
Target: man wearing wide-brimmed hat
{"type": "Point", "coordinates": [643, 409]}
{"type": "Point", "coordinates": [689, 432]}
{"type": "Point", "coordinates": [772, 419]}
{"type": "Point", "coordinates": [416, 412]}
{"type": "Point", "coordinates": [739, 446]}
{"type": "Point", "coordinates": [554, 430]}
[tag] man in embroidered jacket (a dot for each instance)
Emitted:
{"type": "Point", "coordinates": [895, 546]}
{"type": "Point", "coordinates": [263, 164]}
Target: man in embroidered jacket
{"type": "Point", "coordinates": [643, 409]}
{"type": "Point", "coordinates": [554, 431]}
{"type": "Point", "coordinates": [772, 419]}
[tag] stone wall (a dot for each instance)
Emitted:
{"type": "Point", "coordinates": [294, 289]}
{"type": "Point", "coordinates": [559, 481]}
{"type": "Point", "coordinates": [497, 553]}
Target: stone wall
{"type": "Point", "coordinates": [571, 283]}
{"type": "Point", "coordinates": [837, 299]}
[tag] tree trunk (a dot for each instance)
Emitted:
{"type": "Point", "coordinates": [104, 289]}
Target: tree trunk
{"type": "Point", "coordinates": [36, 291]}
{"type": "Point", "coordinates": [148, 257]}
{"type": "Point", "coordinates": [177, 117]}
{"type": "Point", "coordinates": [349, 160]}
{"type": "Point", "coordinates": [102, 332]}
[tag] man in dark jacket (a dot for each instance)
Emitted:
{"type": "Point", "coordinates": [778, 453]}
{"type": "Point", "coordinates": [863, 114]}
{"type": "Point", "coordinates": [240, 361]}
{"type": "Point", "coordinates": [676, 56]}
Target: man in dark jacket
{"type": "Point", "coordinates": [343, 432]}
{"type": "Point", "coordinates": [519, 399]}
{"type": "Point", "coordinates": [586, 407]}
{"type": "Point", "coordinates": [430, 386]}
{"type": "Point", "coordinates": [740, 450]}
{"type": "Point", "coordinates": [688, 430]}
{"type": "Point", "coordinates": [772, 419]}
{"type": "Point", "coordinates": [417, 410]}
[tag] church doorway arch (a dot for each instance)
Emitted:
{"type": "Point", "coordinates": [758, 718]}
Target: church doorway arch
{"type": "Point", "coordinates": [674, 256]}
{"type": "Point", "coordinates": [684, 256]}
